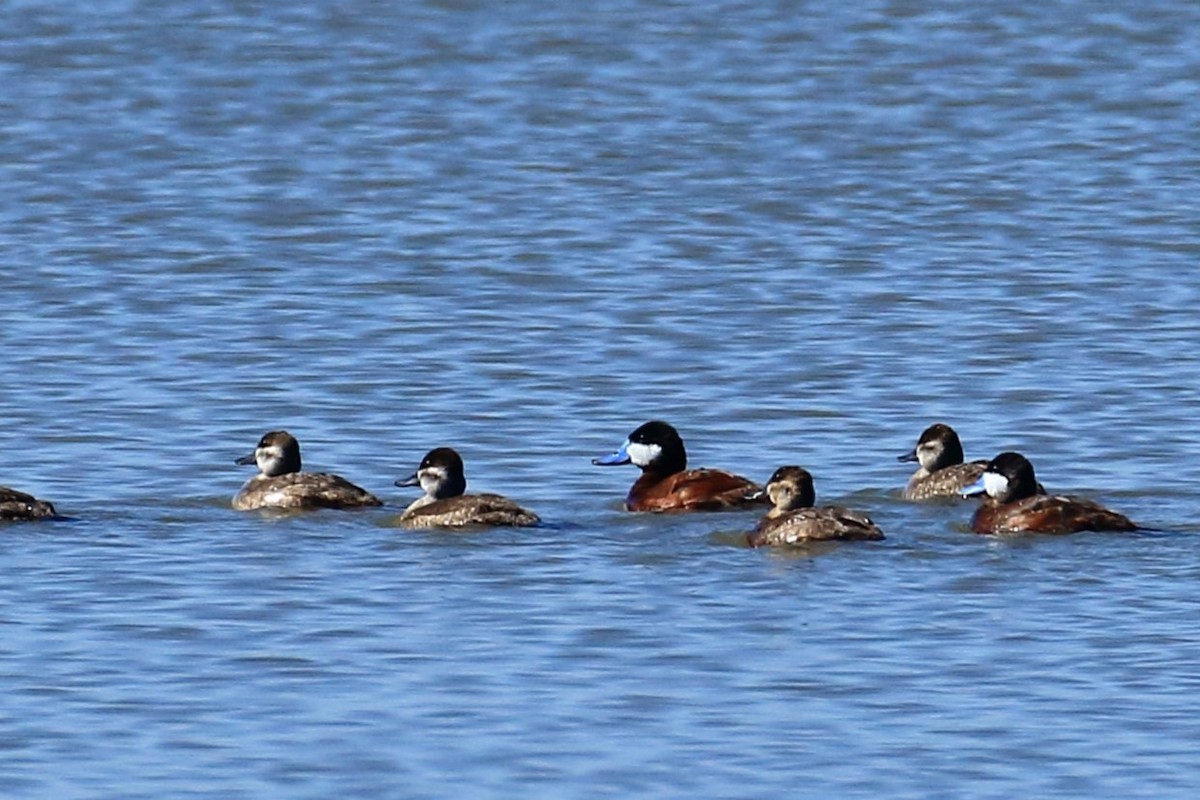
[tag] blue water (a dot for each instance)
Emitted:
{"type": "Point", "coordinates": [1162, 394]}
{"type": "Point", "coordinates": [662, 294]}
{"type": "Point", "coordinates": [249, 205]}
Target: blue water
{"type": "Point", "coordinates": [799, 232]}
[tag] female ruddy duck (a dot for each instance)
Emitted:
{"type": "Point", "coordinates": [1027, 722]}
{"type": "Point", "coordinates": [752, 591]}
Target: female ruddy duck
{"type": "Point", "coordinates": [444, 505]}
{"type": "Point", "coordinates": [1014, 504]}
{"type": "Point", "coordinates": [281, 484]}
{"type": "Point", "coordinates": [666, 484]}
{"type": "Point", "coordinates": [16, 506]}
{"type": "Point", "coordinates": [942, 472]}
{"type": "Point", "coordinates": [794, 520]}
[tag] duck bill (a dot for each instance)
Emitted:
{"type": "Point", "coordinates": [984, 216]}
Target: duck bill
{"type": "Point", "coordinates": [976, 488]}
{"type": "Point", "coordinates": [246, 459]}
{"type": "Point", "coordinates": [612, 459]}
{"type": "Point", "coordinates": [411, 480]}
{"type": "Point", "coordinates": [911, 455]}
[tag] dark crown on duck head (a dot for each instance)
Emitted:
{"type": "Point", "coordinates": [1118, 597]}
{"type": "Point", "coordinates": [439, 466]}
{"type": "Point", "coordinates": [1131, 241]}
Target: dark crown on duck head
{"type": "Point", "coordinates": [277, 453]}
{"type": "Point", "coordinates": [937, 448]}
{"type": "Point", "coordinates": [1019, 474]}
{"type": "Point", "coordinates": [673, 455]}
{"type": "Point", "coordinates": [952, 452]}
{"type": "Point", "coordinates": [791, 487]}
{"type": "Point", "coordinates": [447, 465]}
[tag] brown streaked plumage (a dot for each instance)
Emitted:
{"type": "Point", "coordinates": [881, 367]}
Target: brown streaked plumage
{"type": "Point", "coordinates": [1015, 503]}
{"type": "Point", "coordinates": [281, 484]}
{"type": "Point", "coordinates": [666, 484]}
{"type": "Point", "coordinates": [444, 505]}
{"type": "Point", "coordinates": [794, 519]}
{"type": "Point", "coordinates": [942, 472]}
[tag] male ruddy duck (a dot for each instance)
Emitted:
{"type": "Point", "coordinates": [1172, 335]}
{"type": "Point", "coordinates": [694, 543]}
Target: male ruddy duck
{"type": "Point", "coordinates": [15, 506]}
{"type": "Point", "coordinates": [281, 484]}
{"type": "Point", "coordinates": [942, 472]}
{"type": "Point", "coordinates": [794, 520]}
{"type": "Point", "coordinates": [666, 484]}
{"type": "Point", "coordinates": [1015, 503]}
{"type": "Point", "coordinates": [445, 505]}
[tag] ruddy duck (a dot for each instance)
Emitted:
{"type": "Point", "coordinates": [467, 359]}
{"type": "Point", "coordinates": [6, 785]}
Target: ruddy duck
{"type": "Point", "coordinates": [444, 504]}
{"type": "Point", "coordinates": [666, 484]}
{"type": "Point", "coordinates": [16, 506]}
{"type": "Point", "coordinates": [942, 472]}
{"type": "Point", "coordinates": [794, 520]}
{"type": "Point", "coordinates": [1014, 504]}
{"type": "Point", "coordinates": [281, 484]}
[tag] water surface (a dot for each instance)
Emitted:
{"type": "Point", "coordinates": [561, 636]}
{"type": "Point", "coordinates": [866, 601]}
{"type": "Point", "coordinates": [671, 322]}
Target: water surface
{"type": "Point", "coordinates": [800, 234]}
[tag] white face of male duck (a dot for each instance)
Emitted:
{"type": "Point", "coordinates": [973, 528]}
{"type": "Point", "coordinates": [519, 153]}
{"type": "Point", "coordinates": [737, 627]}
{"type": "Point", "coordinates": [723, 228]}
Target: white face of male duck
{"type": "Point", "coordinates": [993, 484]}
{"type": "Point", "coordinates": [631, 452]}
{"type": "Point", "coordinates": [654, 445]}
{"type": "Point", "coordinates": [1008, 477]}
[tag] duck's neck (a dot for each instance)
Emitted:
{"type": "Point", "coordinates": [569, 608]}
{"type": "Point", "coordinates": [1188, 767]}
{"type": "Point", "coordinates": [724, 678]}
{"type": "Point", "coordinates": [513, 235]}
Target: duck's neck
{"type": "Point", "coordinates": [421, 501]}
{"type": "Point", "coordinates": [664, 466]}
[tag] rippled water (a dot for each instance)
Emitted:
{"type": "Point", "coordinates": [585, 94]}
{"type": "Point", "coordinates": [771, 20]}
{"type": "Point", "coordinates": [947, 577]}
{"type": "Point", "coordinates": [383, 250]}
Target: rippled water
{"type": "Point", "coordinates": [799, 233]}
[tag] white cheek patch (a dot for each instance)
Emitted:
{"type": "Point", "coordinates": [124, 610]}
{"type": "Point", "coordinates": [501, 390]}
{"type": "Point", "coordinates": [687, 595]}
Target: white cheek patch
{"type": "Point", "coordinates": [431, 478]}
{"type": "Point", "coordinates": [266, 456]}
{"type": "Point", "coordinates": [642, 454]}
{"type": "Point", "coordinates": [780, 496]}
{"type": "Point", "coordinates": [995, 484]}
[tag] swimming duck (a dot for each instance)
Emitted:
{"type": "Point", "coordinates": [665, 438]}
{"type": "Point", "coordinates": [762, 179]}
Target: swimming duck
{"type": "Point", "coordinates": [1015, 505]}
{"type": "Point", "coordinates": [666, 484]}
{"type": "Point", "coordinates": [795, 520]}
{"type": "Point", "coordinates": [942, 472]}
{"type": "Point", "coordinates": [281, 484]}
{"type": "Point", "coordinates": [445, 505]}
{"type": "Point", "coordinates": [15, 506]}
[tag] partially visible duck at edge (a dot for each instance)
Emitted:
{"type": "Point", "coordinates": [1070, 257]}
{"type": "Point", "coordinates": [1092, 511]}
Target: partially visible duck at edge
{"type": "Point", "coordinates": [17, 506]}
{"type": "Point", "coordinates": [1015, 504]}
{"type": "Point", "coordinates": [666, 484]}
{"type": "Point", "coordinates": [281, 484]}
{"type": "Point", "coordinates": [942, 472]}
{"type": "Point", "coordinates": [445, 503]}
{"type": "Point", "coordinates": [794, 519]}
